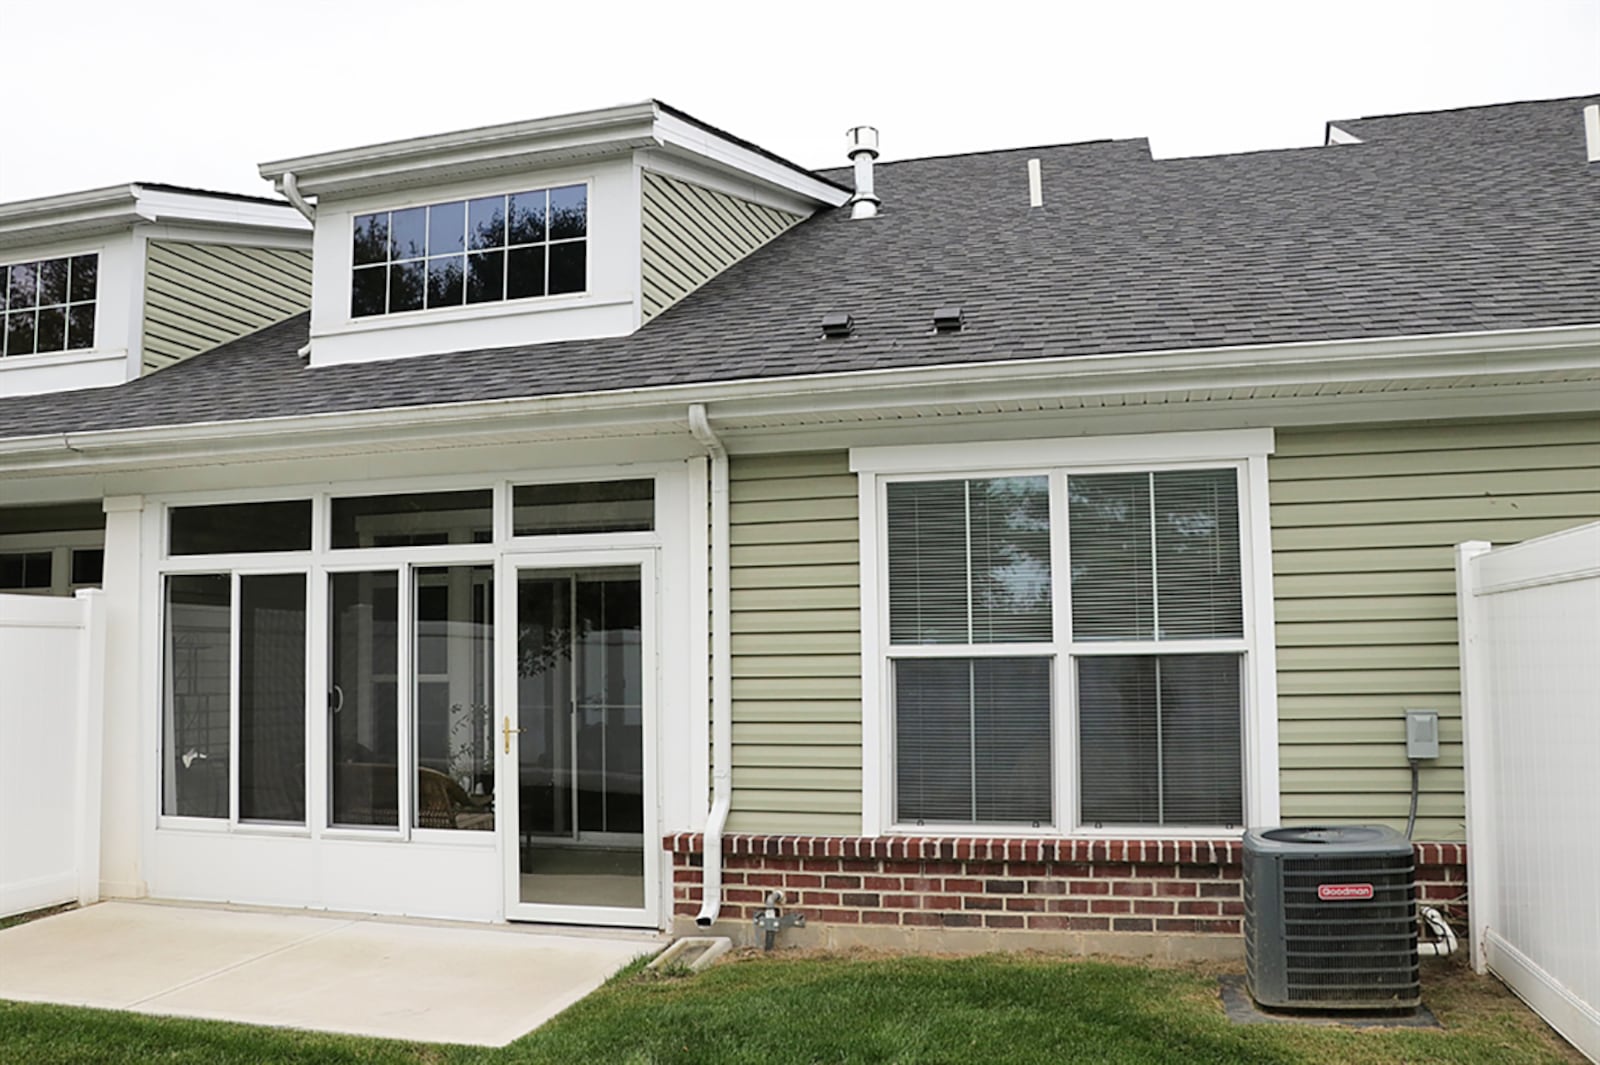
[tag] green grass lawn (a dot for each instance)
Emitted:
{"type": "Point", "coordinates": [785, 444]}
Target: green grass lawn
{"type": "Point", "coordinates": [769, 1010]}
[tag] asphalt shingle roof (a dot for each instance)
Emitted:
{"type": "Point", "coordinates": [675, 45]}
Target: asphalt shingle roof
{"type": "Point", "coordinates": [1476, 219]}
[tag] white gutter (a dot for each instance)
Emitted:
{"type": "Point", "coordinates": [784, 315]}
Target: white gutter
{"type": "Point", "coordinates": [290, 186]}
{"type": "Point", "coordinates": [721, 663]}
{"type": "Point", "coordinates": [1323, 361]}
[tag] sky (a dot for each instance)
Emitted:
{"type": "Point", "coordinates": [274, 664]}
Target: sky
{"type": "Point", "coordinates": [199, 94]}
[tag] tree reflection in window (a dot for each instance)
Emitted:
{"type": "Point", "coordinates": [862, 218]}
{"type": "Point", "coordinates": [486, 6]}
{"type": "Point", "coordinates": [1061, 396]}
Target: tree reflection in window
{"type": "Point", "coordinates": [491, 249]}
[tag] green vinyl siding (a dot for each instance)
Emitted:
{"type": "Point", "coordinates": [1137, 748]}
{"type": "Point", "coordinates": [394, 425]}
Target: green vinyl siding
{"type": "Point", "coordinates": [1364, 527]}
{"type": "Point", "coordinates": [796, 632]}
{"type": "Point", "coordinates": [200, 295]}
{"type": "Point", "coordinates": [690, 234]}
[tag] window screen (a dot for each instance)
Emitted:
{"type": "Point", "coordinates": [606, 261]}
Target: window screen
{"type": "Point", "coordinates": [972, 740]}
{"type": "Point", "coordinates": [969, 561]}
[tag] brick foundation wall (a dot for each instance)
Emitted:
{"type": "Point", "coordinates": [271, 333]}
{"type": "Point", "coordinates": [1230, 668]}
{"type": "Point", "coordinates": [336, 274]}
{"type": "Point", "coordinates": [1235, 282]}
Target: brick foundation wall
{"type": "Point", "coordinates": [915, 885]}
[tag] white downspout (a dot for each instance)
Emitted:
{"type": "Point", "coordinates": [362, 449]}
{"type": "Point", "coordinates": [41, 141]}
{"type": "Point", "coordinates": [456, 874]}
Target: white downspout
{"type": "Point", "coordinates": [289, 185]}
{"type": "Point", "coordinates": [721, 662]}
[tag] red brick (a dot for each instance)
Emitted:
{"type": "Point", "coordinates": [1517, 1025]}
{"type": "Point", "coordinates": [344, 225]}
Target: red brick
{"type": "Point", "coordinates": [1155, 872]}
{"type": "Point", "coordinates": [879, 917]}
{"type": "Point", "coordinates": [1223, 925]}
{"type": "Point", "coordinates": [883, 883]}
{"type": "Point", "coordinates": [859, 865]}
{"type": "Point", "coordinates": [963, 884]}
{"type": "Point", "coordinates": [1045, 922]}
{"type": "Point", "coordinates": [778, 863]}
{"type": "Point", "coordinates": [743, 895]}
{"type": "Point", "coordinates": [1199, 872]}
{"type": "Point", "coordinates": [846, 883]}
{"type": "Point", "coordinates": [941, 868]}
{"type": "Point", "coordinates": [1067, 905]}
{"type": "Point", "coordinates": [1047, 887]}
{"type": "Point", "coordinates": [923, 883]}
{"type": "Point", "coordinates": [902, 902]}
{"type": "Point", "coordinates": [694, 876]}
{"type": "Point", "coordinates": [1160, 907]}
{"type": "Point", "coordinates": [1199, 908]}
{"type": "Point", "coordinates": [1180, 924]}
{"type": "Point", "coordinates": [1177, 887]}
{"type": "Point", "coordinates": [922, 919]}
{"type": "Point", "coordinates": [839, 916]}
{"type": "Point", "coordinates": [819, 898]}
{"type": "Point", "coordinates": [865, 899]}
{"type": "Point", "coordinates": [940, 902]}
{"type": "Point", "coordinates": [1105, 870]}
{"type": "Point", "coordinates": [820, 865]}
{"type": "Point", "coordinates": [1132, 887]}
{"type": "Point", "coordinates": [962, 920]}
{"type": "Point", "coordinates": [802, 880]}
{"type": "Point", "coordinates": [1090, 887]}
{"type": "Point", "coordinates": [1027, 869]}
{"type": "Point", "coordinates": [685, 909]}
{"type": "Point", "coordinates": [1070, 869]}
{"type": "Point", "coordinates": [1132, 924]}
{"type": "Point", "coordinates": [1232, 908]}
{"type": "Point", "coordinates": [1025, 902]}
{"type": "Point", "coordinates": [982, 902]}
{"type": "Point", "coordinates": [1089, 924]}
{"type": "Point", "coordinates": [1110, 906]}
{"type": "Point", "coordinates": [1219, 891]}
{"type": "Point", "coordinates": [1002, 920]}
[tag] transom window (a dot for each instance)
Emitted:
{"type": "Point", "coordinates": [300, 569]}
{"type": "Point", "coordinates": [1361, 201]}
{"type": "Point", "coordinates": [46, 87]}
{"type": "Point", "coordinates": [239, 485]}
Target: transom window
{"type": "Point", "coordinates": [513, 246]}
{"type": "Point", "coordinates": [1067, 647]}
{"type": "Point", "coordinates": [48, 305]}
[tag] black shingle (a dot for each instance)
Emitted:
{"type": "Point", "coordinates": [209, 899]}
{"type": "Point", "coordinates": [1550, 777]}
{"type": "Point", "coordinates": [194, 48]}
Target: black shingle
{"type": "Point", "coordinates": [1477, 219]}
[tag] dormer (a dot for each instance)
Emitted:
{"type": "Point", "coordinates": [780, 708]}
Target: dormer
{"type": "Point", "coordinates": [578, 226]}
{"type": "Point", "coordinates": [100, 287]}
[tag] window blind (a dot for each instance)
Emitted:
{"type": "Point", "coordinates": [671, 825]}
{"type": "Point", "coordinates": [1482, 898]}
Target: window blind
{"type": "Point", "coordinates": [1155, 555]}
{"type": "Point", "coordinates": [969, 561]}
{"type": "Point", "coordinates": [1159, 740]}
{"type": "Point", "coordinates": [972, 740]}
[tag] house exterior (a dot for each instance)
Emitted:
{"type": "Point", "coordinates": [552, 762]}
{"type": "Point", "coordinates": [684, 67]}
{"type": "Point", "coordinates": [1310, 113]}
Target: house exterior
{"type": "Point", "coordinates": [968, 547]}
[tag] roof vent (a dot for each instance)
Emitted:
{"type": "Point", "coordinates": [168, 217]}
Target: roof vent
{"type": "Point", "coordinates": [948, 319]}
{"type": "Point", "coordinates": [861, 144]}
{"type": "Point", "coordinates": [837, 324]}
{"type": "Point", "coordinates": [1591, 131]}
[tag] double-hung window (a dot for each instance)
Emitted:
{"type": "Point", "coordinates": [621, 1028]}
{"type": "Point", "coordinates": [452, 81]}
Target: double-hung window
{"type": "Point", "coordinates": [1061, 635]}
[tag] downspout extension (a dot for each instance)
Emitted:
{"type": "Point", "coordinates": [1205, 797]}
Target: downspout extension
{"type": "Point", "coordinates": [721, 662]}
{"type": "Point", "coordinates": [289, 185]}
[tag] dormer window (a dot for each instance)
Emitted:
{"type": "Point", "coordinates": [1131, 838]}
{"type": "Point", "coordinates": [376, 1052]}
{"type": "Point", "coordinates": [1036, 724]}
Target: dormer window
{"type": "Point", "coordinates": [48, 304]}
{"type": "Point", "coordinates": [515, 246]}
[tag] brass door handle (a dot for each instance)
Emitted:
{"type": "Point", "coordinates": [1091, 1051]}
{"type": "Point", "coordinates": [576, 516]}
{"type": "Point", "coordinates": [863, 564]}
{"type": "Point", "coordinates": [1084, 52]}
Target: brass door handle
{"type": "Point", "coordinates": [507, 730]}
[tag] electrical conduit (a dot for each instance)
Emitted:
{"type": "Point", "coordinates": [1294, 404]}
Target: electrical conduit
{"type": "Point", "coordinates": [721, 662]}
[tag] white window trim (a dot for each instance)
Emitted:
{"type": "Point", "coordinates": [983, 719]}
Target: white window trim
{"type": "Point", "coordinates": [1243, 449]}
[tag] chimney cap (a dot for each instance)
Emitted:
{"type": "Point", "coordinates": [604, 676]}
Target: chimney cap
{"type": "Point", "coordinates": [837, 324]}
{"type": "Point", "coordinates": [861, 139]}
{"type": "Point", "coordinates": [948, 319]}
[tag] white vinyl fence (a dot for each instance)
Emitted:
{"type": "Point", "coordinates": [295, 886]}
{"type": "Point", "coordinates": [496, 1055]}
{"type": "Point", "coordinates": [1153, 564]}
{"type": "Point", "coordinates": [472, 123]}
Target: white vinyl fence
{"type": "Point", "coordinates": [1530, 691]}
{"type": "Point", "coordinates": [52, 667]}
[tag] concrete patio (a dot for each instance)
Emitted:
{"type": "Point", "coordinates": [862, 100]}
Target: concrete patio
{"type": "Point", "coordinates": [395, 979]}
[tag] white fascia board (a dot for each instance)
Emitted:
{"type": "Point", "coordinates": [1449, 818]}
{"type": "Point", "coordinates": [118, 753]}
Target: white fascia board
{"type": "Point", "coordinates": [74, 214]}
{"type": "Point", "coordinates": [721, 153]}
{"type": "Point", "coordinates": [439, 157]}
{"type": "Point", "coordinates": [165, 206]}
{"type": "Point", "coordinates": [661, 408]}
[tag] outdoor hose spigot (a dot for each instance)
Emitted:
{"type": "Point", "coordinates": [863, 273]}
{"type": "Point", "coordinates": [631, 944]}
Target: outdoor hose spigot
{"type": "Point", "coordinates": [772, 920]}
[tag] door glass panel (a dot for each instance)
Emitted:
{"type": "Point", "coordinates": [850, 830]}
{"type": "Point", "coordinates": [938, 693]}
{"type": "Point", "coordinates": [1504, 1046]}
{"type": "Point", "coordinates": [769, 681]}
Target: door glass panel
{"type": "Point", "coordinates": [454, 698]}
{"type": "Point", "coordinates": [363, 714]}
{"type": "Point", "coordinates": [580, 706]}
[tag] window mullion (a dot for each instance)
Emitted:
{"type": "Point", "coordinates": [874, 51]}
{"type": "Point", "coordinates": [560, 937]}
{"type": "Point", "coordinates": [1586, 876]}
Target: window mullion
{"type": "Point", "coordinates": [1155, 565]}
